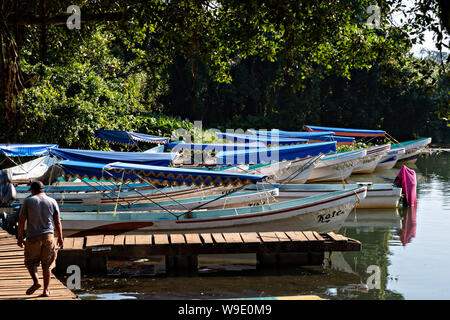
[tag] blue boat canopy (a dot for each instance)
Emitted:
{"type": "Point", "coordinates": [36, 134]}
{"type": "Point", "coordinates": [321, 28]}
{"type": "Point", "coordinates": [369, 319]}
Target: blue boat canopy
{"type": "Point", "coordinates": [274, 154]}
{"type": "Point", "coordinates": [291, 134]}
{"type": "Point", "coordinates": [211, 147]}
{"type": "Point", "coordinates": [269, 141]}
{"type": "Point", "coordinates": [347, 132]}
{"type": "Point", "coordinates": [26, 150]}
{"type": "Point", "coordinates": [126, 137]}
{"type": "Point", "coordinates": [120, 171]}
{"type": "Point", "coordinates": [311, 136]}
{"type": "Point", "coordinates": [145, 158]}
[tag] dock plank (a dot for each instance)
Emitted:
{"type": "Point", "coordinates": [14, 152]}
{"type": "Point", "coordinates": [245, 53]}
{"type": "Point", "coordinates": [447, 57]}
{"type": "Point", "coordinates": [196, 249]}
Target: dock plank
{"type": "Point", "coordinates": [92, 241]}
{"type": "Point", "coordinates": [78, 243]}
{"type": "Point", "coordinates": [282, 236]}
{"type": "Point", "coordinates": [108, 240]}
{"type": "Point", "coordinates": [250, 237]}
{"type": "Point", "coordinates": [232, 237]}
{"type": "Point", "coordinates": [130, 239]}
{"type": "Point", "coordinates": [318, 236]}
{"type": "Point", "coordinates": [218, 238]}
{"type": "Point", "coordinates": [193, 238]}
{"type": "Point", "coordinates": [119, 240]}
{"type": "Point", "coordinates": [143, 239]}
{"type": "Point", "coordinates": [296, 236]}
{"type": "Point", "coordinates": [68, 243]}
{"type": "Point", "coordinates": [268, 236]}
{"type": "Point", "coordinates": [161, 239]}
{"type": "Point", "coordinates": [309, 235]}
{"type": "Point", "coordinates": [336, 237]}
{"type": "Point", "coordinates": [207, 238]}
{"type": "Point", "coordinates": [176, 238]}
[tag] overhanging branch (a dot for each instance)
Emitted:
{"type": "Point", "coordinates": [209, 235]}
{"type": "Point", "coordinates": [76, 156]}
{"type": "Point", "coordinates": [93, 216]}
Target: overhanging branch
{"type": "Point", "coordinates": [62, 19]}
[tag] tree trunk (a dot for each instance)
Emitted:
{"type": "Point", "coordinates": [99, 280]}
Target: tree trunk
{"type": "Point", "coordinates": [11, 82]}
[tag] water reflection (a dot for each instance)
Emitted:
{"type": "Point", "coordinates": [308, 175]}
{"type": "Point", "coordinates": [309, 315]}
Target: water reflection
{"type": "Point", "coordinates": [377, 230]}
{"type": "Point", "coordinates": [409, 225]}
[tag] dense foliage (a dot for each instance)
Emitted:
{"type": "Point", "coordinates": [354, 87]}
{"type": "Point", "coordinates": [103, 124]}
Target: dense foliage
{"type": "Point", "coordinates": [231, 64]}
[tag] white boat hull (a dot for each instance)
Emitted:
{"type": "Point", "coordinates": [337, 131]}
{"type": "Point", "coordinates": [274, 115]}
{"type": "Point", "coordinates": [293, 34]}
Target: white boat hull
{"type": "Point", "coordinates": [321, 215]}
{"type": "Point", "coordinates": [378, 196]}
{"type": "Point", "coordinates": [336, 168]}
{"type": "Point", "coordinates": [298, 172]}
{"type": "Point", "coordinates": [372, 159]}
{"type": "Point", "coordinates": [368, 164]}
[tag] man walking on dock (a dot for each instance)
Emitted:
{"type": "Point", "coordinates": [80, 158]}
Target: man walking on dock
{"type": "Point", "coordinates": [41, 213]}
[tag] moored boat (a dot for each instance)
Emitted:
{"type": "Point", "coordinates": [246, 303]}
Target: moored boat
{"type": "Point", "coordinates": [379, 196]}
{"type": "Point", "coordinates": [321, 213]}
{"type": "Point", "coordinates": [337, 166]}
{"type": "Point", "coordinates": [390, 158]}
{"type": "Point", "coordinates": [413, 149]}
{"type": "Point", "coordinates": [371, 160]}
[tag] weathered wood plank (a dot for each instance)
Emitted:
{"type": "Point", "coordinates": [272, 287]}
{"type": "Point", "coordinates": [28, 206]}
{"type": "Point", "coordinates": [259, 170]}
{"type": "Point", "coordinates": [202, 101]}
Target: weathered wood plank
{"type": "Point", "coordinates": [318, 236]}
{"type": "Point", "coordinates": [282, 236]}
{"type": "Point", "coordinates": [309, 235]}
{"type": "Point", "coordinates": [92, 241]}
{"type": "Point", "coordinates": [161, 239]}
{"type": "Point", "coordinates": [250, 237]}
{"type": "Point", "coordinates": [207, 238]}
{"type": "Point", "coordinates": [130, 239]}
{"type": "Point", "coordinates": [218, 238]}
{"type": "Point", "coordinates": [119, 240]}
{"type": "Point", "coordinates": [193, 238]}
{"type": "Point", "coordinates": [108, 240]}
{"type": "Point", "coordinates": [268, 236]}
{"type": "Point", "coordinates": [68, 243]}
{"type": "Point", "coordinates": [145, 239]}
{"type": "Point", "coordinates": [177, 239]}
{"type": "Point", "coordinates": [78, 243]}
{"type": "Point", "coordinates": [232, 237]}
{"type": "Point", "coordinates": [336, 237]}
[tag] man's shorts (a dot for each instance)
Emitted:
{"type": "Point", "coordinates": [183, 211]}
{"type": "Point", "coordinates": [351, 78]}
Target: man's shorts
{"type": "Point", "coordinates": [41, 249]}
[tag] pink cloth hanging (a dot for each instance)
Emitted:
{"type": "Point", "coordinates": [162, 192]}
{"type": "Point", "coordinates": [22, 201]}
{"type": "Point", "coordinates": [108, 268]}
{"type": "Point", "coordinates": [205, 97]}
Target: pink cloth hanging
{"type": "Point", "coordinates": [406, 178]}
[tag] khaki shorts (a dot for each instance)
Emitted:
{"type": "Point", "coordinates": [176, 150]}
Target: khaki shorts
{"type": "Point", "coordinates": [41, 249]}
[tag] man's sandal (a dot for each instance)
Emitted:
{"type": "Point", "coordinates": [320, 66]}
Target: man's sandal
{"type": "Point", "coordinates": [33, 288]}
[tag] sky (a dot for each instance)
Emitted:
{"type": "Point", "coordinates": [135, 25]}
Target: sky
{"type": "Point", "coordinates": [428, 43]}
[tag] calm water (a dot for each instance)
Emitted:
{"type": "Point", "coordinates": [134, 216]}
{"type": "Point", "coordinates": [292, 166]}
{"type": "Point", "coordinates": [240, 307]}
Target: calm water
{"type": "Point", "coordinates": [411, 248]}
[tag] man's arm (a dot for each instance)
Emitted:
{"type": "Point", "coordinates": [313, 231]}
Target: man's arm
{"type": "Point", "coordinates": [58, 225]}
{"type": "Point", "coordinates": [21, 226]}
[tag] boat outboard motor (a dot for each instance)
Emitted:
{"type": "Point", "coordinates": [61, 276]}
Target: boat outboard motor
{"type": "Point", "coordinates": [406, 179]}
{"type": "Point", "coordinates": [7, 191]}
{"type": "Point", "coordinates": [9, 212]}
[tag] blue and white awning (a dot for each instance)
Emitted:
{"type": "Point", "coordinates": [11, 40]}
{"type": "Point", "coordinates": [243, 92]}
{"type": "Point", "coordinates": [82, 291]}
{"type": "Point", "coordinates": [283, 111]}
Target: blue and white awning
{"type": "Point", "coordinates": [210, 147]}
{"type": "Point", "coordinates": [126, 137]}
{"type": "Point", "coordinates": [120, 171]}
{"type": "Point", "coordinates": [347, 132]}
{"type": "Point", "coordinates": [274, 154]}
{"type": "Point", "coordinates": [269, 141]}
{"type": "Point", "coordinates": [26, 150]}
{"type": "Point", "coordinates": [145, 158]}
{"type": "Point", "coordinates": [311, 136]}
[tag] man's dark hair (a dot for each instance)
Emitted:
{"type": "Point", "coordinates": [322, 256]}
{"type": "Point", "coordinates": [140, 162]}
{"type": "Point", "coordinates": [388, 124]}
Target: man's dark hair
{"type": "Point", "coordinates": [37, 186]}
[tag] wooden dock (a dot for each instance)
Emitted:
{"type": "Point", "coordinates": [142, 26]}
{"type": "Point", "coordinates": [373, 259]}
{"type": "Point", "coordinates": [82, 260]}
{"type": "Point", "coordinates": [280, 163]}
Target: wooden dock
{"type": "Point", "coordinates": [181, 251]}
{"type": "Point", "coordinates": [15, 279]}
